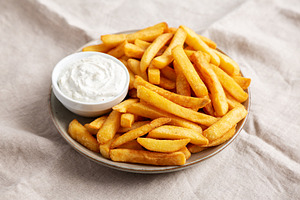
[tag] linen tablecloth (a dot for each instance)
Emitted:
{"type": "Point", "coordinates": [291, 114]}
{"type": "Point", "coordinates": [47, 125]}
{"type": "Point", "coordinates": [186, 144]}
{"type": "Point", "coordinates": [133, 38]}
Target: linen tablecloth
{"type": "Point", "coordinates": [263, 36]}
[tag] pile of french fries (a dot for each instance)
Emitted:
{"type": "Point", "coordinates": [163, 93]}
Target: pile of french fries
{"type": "Point", "coordinates": [184, 97]}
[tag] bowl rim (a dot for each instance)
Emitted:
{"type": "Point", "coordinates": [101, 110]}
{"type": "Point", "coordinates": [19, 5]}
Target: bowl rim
{"type": "Point", "coordinates": [58, 68]}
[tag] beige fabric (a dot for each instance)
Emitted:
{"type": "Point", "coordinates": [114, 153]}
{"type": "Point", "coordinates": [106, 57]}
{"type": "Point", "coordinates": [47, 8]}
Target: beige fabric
{"type": "Point", "coordinates": [263, 36]}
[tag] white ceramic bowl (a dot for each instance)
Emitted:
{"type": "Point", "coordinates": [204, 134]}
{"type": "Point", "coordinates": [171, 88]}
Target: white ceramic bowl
{"type": "Point", "coordinates": [83, 108]}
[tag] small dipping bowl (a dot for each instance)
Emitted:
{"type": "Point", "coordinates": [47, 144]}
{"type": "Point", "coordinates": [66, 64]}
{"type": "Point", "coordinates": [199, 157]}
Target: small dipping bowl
{"type": "Point", "coordinates": [86, 109]}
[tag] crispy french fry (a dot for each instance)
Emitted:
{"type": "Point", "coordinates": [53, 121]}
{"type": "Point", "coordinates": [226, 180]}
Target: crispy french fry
{"type": "Point", "coordinates": [147, 157]}
{"type": "Point", "coordinates": [184, 101]}
{"type": "Point", "coordinates": [134, 65]}
{"type": "Point", "coordinates": [230, 85]}
{"type": "Point", "coordinates": [98, 47]}
{"type": "Point", "coordinates": [189, 72]}
{"type": "Point", "coordinates": [166, 58]}
{"type": "Point", "coordinates": [119, 50]}
{"type": "Point", "coordinates": [123, 106]}
{"type": "Point", "coordinates": [164, 104]}
{"type": "Point", "coordinates": [193, 40]}
{"type": "Point", "coordinates": [138, 132]}
{"type": "Point", "coordinates": [186, 152]}
{"type": "Point", "coordinates": [218, 96]}
{"type": "Point", "coordinates": [232, 102]}
{"type": "Point", "coordinates": [224, 124]}
{"type": "Point", "coordinates": [133, 126]}
{"type": "Point", "coordinates": [172, 30]}
{"type": "Point", "coordinates": [242, 81]}
{"type": "Point", "coordinates": [153, 49]}
{"type": "Point", "coordinates": [175, 132]}
{"type": "Point", "coordinates": [166, 83]}
{"type": "Point", "coordinates": [208, 41]}
{"type": "Point", "coordinates": [153, 75]}
{"type": "Point", "coordinates": [193, 148]}
{"type": "Point", "coordinates": [81, 135]}
{"type": "Point", "coordinates": [169, 73]}
{"type": "Point", "coordinates": [208, 108]}
{"type": "Point", "coordinates": [95, 125]}
{"type": "Point", "coordinates": [182, 85]}
{"type": "Point", "coordinates": [222, 139]}
{"type": "Point", "coordinates": [152, 112]}
{"type": "Point", "coordinates": [142, 44]}
{"type": "Point", "coordinates": [227, 64]}
{"type": "Point", "coordinates": [127, 119]}
{"type": "Point", "coordinates": [133, 51]}
{"type": "Point", "coordinates": [189, 53]}
{"type": "Point", "coordinates": [165, 146]}
{"type": "Point", "coordinates": [105, 148]}
{"type": "Point", "coordinates": [133, 144]}
{"type": "Point", "coordinates": [109, 128]}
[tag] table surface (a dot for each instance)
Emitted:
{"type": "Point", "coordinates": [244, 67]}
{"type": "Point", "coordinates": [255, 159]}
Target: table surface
{"type": "Point", "coordinates": [261, 35]}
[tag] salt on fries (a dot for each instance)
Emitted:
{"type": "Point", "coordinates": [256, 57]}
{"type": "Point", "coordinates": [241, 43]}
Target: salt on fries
{"type": "Point", "coordinates": [184, 96]}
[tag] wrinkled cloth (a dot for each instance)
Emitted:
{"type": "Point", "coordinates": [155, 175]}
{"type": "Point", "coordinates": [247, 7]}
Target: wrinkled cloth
{"type": "Point", "coordinates": [263, 36]}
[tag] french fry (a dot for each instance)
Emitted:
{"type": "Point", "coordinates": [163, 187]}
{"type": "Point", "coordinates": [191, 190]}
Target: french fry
{"type": "Point", "coordinates": [138, 132]}
{"type": "Point", "coordinates": [131, 74]}
{"type": "Point", "coordinates": [189, 72]}
{"type": "Point", "coordinates": [132, 93]}
{"type": "Point", "coordinates": [218, 97]}
{"type": "Point", "coordinates": [242, 81]}
{"type": "Point", "coordinates": [193, 40]}
{"type": "Point", "coordinates": [184, 101]}
{"type": "Point", "coordinates": [175, 132]}
{"type": "Point", "coordinates": [153, 75]}
{"type": "Point", "coordinates": [98, 47]}
{"type": "Point", "coordinates": [133, 144]}
{"type": "Point", "coordinates": [182, 85]}
{"type": "Point", "coordinates": [232, 102]}
{"type": "Point", "coordinates": [186, 152]}
{"type": "Point", "coordinates": [95, 125]}
{"type": "Point", "coordinates": [147, 157]}
{"type": "Point", "coordinates": [169, 73]}
{"type": "Point", "coordinates": [166, 83]}
{"type": "Point", "coordinates": [142, 44]}
{"type": "Point", "coordinates": [133, 51]}
{"type": "Point", "coordinates": [123, 106]}
{"type": "Point", "coordinates": [222, 139]}
{"type": "Point", "coordinates": [165, 146]}
{"type": "Point", "coordinates": [166, 58]}
{"type": "Point", "coordinates": [193, 148]}
{"type": "Point", "coordinates": [105, 148]}
{"type": "Point", "coordinates": [134, 65]}
{"type": "Point", "coordinates": [119, 50]}
{"type": "Point", "coordinates": [109, 128]}
{"type": "Point", "coordinates": [81, 135]}
{"type": "Point", "coordinates": [208, 108]}
{"type": "Point", "coordinates": [153, 49]}
{"type": "Point", "coordinates": [127, 119]}
{"type": "Point", "coordinates": [152, 112]}
{"type": "Point", "coordinates": [166, 105]}
{"type": "Point", "coordinates": [133, 126]}
{"type": "Point", "coordinates": [208, 41]}
{"type": "Point", "coordinates": [227, 64]}
{"type": "Point", "coordinates": [224, 124]}
{"type": "Point", "coordinates": [230, 85]}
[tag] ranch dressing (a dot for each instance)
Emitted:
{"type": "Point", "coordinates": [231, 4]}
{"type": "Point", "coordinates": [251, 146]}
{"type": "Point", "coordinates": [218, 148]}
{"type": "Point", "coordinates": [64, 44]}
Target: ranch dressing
{"type": "Point", "coordinates": [92, 79]}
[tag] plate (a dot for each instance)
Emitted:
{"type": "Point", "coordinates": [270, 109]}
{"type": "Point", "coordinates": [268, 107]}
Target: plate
{"type": "Point", "coordinates": [62, 117]}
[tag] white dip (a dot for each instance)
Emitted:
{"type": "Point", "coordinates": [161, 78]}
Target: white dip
{"type": "Point", "coordinates": [92, 79]}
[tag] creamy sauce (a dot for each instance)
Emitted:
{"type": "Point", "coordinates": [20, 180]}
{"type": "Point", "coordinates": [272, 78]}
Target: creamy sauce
{"type": "Point", "coordinates": [92, 79]}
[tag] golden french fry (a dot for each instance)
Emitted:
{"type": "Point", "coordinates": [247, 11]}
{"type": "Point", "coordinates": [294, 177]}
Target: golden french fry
{"type": "Point", "coordinates": [222, 139]}
{"type": "Point", "coordinates": [98, 47]}
{"type": "Point", "coordinates": [182, 85]}
{"type": "Point", "coordinates": [227, 64]}
{"type": "Point", "coordinates": [147, 157]}
{"type": "Point", "coordinates": [166, 83]}
{"type": "Point", "coordinates": [169, 73]}
{"type": "Point", "coordinates": [127, 119]}
{"type": "Point", "coordinates": [95, 125]}
{"type": "Point", "coordinates": [152, 112]}
{"type": "Point", "coordinates": [81, 135]}
{"type": "Point", "coordinates": [133, 144]}
{"type": "Point", "coordinates": [109, 128]}
{"type": "Point", "coordinates": [133, 51]}
{"type": "Point", "coordinates": [218, 97]}
{"type": "Point", "coordinates": [224, 124]}
{"type": "Point", "coordinates": [184, 101]}
{"type": "Point", "coordinates": [189, 72]}
{"type": "Point", "coordinates": [119, 50]}
{"type": "Point", "coordinates": [138, 132]}
{"type": "Point", "coordinates": [131, 74]}
{"type": "Point", "coordinates": [208, 41]}
{"type": "Point", "coordinates": [166, 105]}
{"type": "Point", "coordinates": [193, 40]}
{"type": "Point", "coordinates": [153, 75]}
{"type": "Point", "coordinates": [172, 30]}
{"type": "Point", "coordinates": [153, 49]}
{"type": "Point", "coordinates": [166, 58]}
{"type": "Point", "coordinates": [208, 108]}
{"type": "Point", "coordinates": [186, 152]}
{"type": "Point", "coordinates": [230, 85]}
{"type": "Point", "coordinates": [134, 65]}
{"type": "Point", "coordinates": [123, 106]}
{"type": "Point", "coordinates": [176, 132]}
{"type": "Point", "coordinates": [193, 148]}
{"type": "Point", "coordinates": [242, 81]}
{"type": "Point", "coordinates": [142, 44]}
{"type": "Point", "coordinates": [133, 126]}
{"type": "Point", "coordinates": [165, 146]}
{"type": "Point", "coordinates": [232, 102]}
{"type": "Point", "coordinates": [105, 148]}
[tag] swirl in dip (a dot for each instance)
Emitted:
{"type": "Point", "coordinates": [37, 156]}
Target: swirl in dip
{"type": "Point", "coordinates": [92, 79]}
